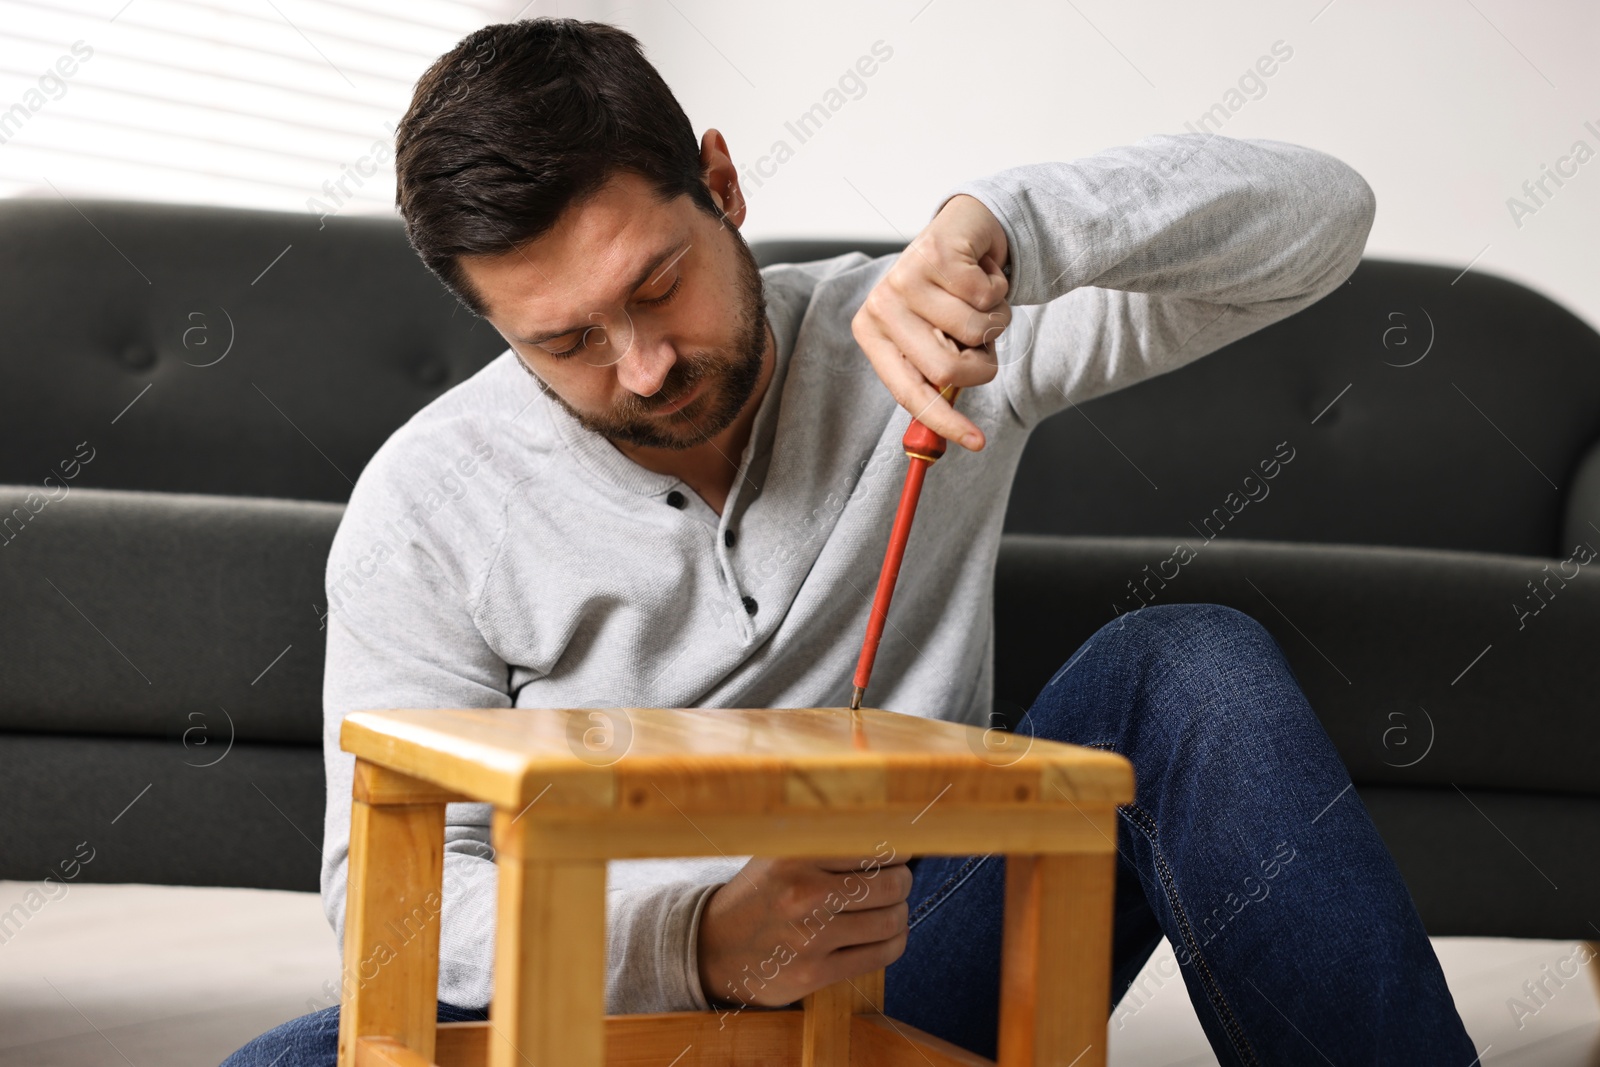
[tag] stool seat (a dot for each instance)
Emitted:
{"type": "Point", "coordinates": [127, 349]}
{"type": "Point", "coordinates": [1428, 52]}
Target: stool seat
{"type": "Point", "coordinates": [574, 787]}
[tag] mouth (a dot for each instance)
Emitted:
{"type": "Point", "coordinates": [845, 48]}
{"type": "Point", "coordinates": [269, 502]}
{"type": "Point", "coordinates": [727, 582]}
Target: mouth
{"type": "Point", "coordinates": [681, 403]}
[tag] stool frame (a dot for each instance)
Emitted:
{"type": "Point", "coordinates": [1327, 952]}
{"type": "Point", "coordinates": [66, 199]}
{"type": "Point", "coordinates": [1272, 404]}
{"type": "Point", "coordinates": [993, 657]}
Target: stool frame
{"type": "Point", "coordinates": [851, 781]}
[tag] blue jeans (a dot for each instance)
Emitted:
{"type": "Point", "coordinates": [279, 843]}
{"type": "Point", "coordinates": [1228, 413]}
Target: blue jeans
{"type": "Point", "coordinates": [1245, 846]}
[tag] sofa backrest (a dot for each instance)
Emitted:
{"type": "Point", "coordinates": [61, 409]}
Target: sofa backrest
{"type": "Point", "coordinates": [216, 350]}
{"type": "Point", "coordinates": [223, 350]}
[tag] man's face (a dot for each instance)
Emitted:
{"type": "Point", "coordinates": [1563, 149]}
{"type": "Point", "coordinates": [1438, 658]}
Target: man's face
{"type": "Point", "coordinates": [628, 305]}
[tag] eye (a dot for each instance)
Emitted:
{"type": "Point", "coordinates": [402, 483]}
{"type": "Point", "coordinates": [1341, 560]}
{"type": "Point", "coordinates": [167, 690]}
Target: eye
{"type": "Point", "coordinates": [580, 343]}
{"type": "Point", "coordinates": [666, 296]}
{"type": "Point", "coordinates": [583, 340]}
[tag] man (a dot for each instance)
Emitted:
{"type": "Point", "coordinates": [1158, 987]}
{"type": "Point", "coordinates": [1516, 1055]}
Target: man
{"type": "Point", "coordinates": [676, 487]}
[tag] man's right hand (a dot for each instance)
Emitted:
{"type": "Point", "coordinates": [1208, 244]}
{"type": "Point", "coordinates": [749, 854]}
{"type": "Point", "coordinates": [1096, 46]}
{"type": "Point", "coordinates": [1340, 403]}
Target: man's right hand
{"type": "Point", "coordinates": [782, 928]}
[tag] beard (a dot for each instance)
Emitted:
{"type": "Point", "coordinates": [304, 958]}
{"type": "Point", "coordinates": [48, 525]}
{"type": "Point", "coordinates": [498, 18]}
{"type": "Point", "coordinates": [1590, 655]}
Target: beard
{"type": "Point", "coordinates": [731, 373]}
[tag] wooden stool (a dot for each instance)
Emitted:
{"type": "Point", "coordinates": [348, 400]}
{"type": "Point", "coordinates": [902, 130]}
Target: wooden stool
{"type": "Point", "coordinates": [573, 788]}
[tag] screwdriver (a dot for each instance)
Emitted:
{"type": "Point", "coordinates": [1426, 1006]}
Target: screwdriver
{"type": "Point", "coordinates": [922, 447]}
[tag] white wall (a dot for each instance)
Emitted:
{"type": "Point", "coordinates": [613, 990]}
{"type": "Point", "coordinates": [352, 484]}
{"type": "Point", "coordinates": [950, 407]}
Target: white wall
{"type": "Point", "coordinates": [1445, 106]}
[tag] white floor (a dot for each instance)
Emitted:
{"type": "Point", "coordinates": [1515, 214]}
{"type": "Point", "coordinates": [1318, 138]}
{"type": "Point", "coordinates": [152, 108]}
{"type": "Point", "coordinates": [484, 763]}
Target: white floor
{"type": "Point", "coordinates": [157, 976]}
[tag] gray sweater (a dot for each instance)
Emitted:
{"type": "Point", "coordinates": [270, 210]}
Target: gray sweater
{"type": "Point", "coordinates": [496, 554]}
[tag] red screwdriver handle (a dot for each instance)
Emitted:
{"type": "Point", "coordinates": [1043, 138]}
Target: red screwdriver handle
{"type": "Point", "coordinates": [921, 441]}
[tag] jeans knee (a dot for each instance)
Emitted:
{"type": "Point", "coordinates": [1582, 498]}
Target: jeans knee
{"type": "Point", "coordinates": [1191, 658]}
{"type": "Point", "coordinates": [1189, 616]}
{"type": "Point", "coordinates": [1190, 631]}
{"type": "Point", "coordinates": [1158, 635]}
{"type": "Point", "coordinates": [1197, 674]}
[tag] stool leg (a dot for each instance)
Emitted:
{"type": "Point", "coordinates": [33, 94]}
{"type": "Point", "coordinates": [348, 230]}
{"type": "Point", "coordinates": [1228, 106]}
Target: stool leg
{"type": "Point", "coordinates": [1055, 972]}
{"type": "Point", "coordinates": [390, 983]}
{"type": "Point", "coordinates": [549, 966]}
{"type": "Point", "coordinates": [829, 1014]}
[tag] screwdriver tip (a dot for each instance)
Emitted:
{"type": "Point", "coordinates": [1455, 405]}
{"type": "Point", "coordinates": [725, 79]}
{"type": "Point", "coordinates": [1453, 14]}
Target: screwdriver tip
{"type": "Point", "coordinates": [855, 698]}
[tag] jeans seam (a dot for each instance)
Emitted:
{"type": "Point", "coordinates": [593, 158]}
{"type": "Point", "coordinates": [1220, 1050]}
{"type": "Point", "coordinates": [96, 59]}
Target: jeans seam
{"type": "Point", "coordinates": [1141, 819]}
{"type": "Point", "coordinates": [1147, 825]}
{"type": "Point", "coordinates": [951, 884]}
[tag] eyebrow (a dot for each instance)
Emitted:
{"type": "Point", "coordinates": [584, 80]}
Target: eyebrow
{"type": "Point", "coordinates": [643, 276]}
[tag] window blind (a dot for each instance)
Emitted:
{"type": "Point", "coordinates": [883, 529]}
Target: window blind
{"type": "Point", "coordinates": [280, 104]}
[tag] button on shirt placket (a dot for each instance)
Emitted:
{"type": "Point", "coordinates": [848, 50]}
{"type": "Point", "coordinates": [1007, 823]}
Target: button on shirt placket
{"type": "Point", "coordinates": [729, 561]}
{"type": "Point", "coordinates": [748, 602]}
{"type": "Point", "coordinates": [749, 605]}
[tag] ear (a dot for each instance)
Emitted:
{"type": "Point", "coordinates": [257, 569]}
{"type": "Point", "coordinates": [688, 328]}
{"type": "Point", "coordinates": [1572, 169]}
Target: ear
{"type": "Point", "coordinates": [721, 177]}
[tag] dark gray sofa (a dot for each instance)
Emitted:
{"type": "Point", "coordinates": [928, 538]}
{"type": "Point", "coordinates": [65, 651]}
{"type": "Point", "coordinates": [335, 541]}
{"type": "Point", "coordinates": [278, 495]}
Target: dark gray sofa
{"type": "Point", "coordinates": [162, 651]}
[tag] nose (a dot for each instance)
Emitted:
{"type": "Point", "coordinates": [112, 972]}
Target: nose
{"type": "Point", "coordinates": [644, 367]}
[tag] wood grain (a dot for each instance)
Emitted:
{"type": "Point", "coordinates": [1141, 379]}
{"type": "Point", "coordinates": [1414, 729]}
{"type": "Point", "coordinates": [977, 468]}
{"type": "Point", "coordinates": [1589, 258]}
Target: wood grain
{"type": "Point", "coordinates": [830, 1015]}
{"type": "Point", "coordinates": [574, 788]}
{"type": "Point", "coordinates": [694, 760]}
{"type": "Point", "coordinates": [946, 830]}
{"type": "Point", "coordinates": [700, 1038]}
{"type": "Point", "coordinates": [1055, 973]}
{"type": "Point", "coordinates": [549, 981]}
{"type": "Point", "coordinates": [391, 946]}
{"type": "Point", "coordinates": [883, 1042]}
{"type": "Point", "coordinates": [746, 1039]}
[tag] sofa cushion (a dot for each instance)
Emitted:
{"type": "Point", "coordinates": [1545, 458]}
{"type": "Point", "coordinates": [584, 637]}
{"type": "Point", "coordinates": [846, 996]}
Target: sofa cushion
{"type": "Point", "coordinates": [169, 615]}
{"type": "Point", "coordinates": [203, 615]}
{"type": "Point", "coordinates": [1426, 667]}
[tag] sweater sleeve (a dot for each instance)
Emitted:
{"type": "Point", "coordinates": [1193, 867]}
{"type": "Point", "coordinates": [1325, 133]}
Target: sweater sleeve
{"type": "Point", "coordinates": [1139, 259]}
{"type": "Point", "coordinates": [400, 634]}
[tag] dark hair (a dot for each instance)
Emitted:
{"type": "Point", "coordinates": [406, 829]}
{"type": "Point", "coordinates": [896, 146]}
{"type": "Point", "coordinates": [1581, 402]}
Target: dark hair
{"type": "Point", "coordinates": [522, 120]}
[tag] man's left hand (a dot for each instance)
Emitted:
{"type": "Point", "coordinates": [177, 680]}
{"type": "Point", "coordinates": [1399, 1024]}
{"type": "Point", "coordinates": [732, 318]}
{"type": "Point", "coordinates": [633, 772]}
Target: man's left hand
{"type": "Point", "coordinates": [933, 319]}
